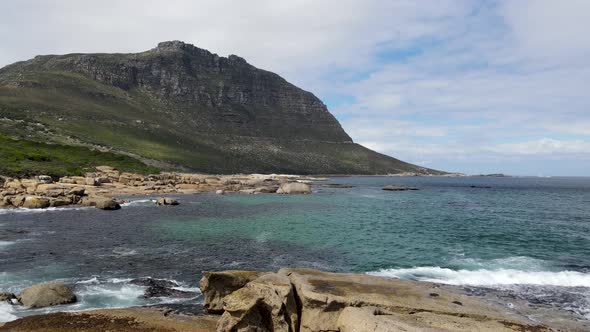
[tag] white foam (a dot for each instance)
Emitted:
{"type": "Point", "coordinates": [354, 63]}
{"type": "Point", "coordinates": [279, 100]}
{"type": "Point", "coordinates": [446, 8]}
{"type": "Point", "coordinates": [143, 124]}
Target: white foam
{"type": "Point", "coordinates": [49, 209]}
{"type": "Point", "coordinates": [6, 313]}
{"type": "Point", "coordinates": [138, 202]}
{"type": "Point", "coordinates": [6, 243]}
{"type": "Point", "coordinates": [93, 280]}
{"type": "Point", "coordinates": [483, 277]}
{"type": "Point", "coordinates": [188, 289]}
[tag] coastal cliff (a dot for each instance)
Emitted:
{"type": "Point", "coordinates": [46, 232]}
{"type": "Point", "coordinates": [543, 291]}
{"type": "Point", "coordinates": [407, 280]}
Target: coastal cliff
{"type": "Point", "coordinates": [180, 107]}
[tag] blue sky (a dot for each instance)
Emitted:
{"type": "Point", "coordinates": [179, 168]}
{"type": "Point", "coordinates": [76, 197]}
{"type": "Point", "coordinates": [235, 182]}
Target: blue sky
{"type": "Point", "coordinates": [459, 85]}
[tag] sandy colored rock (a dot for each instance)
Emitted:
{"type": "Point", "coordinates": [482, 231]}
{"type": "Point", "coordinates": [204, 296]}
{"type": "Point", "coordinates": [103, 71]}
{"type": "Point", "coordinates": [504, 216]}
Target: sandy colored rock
{"type": "Point", "coordinates": [323, 296]}
{"type": "Point", "coordinates": [294, 188]}
{"type": "Point", "coordinates": [47, 294]}
{"type": "Point", "coordinates": [217, 285]}
{"type": "Point", "coordinates": [57, 202]}
{"type": "Point", "coordinates": [103, 203]}
{"type": "Point", "coordinates": [33, 202]}
{"type": "Point", "coordinates": [265, 304]}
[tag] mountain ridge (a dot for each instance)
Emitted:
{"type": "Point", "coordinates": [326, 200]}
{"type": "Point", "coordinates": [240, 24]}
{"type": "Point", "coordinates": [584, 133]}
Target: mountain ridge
{"type": "Point", "coordinates": [184, 106]}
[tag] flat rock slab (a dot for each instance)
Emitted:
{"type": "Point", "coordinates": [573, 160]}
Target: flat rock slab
{"type": "Point", "coordinates": [123, 320]}
{"type": "Point", "coordinates": [325, 299]}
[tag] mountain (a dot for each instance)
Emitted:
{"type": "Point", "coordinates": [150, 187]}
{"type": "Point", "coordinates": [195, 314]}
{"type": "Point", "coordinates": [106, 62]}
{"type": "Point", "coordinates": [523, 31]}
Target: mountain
{"type": "Point", "coordinates": [181, 107]}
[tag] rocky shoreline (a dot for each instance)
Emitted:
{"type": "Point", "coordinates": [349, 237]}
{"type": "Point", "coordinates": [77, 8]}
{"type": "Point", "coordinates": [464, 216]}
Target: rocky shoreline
{"type": "Point", "coordinates": [100, 188]}
{"type": "Point", "coordinates": [293, 300]}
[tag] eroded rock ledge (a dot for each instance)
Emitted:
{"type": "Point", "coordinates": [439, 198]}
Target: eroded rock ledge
{"type": "Point", "coordinates": [308, 300]}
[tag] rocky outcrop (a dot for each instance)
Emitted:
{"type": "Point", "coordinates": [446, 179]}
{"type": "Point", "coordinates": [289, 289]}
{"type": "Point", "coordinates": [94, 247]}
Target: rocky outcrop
{"type": "Point", "coordinates": [217, 285]}
{"type": "Point", "coordinates": [308, 300]}
{"type": "Point", "coordinates": [75, 190]}
{"type": "Point", "coordinates": [48, 294]}
{"type": "Point", "coordinates": [294, 188]}
{"type": "Point", "coordinates": [265, 304]}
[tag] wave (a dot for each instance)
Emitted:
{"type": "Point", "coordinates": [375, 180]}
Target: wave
{"type": "Point", "coordinates": [6, 243]}
{"type": "Point", "coordinates": [49, 209]}
{"type": "Point", "coordinates": [485, 277]}
{"type": "Point", "coordinates": [138, 202]}
{"type": "Point", "coordinates": [7, 312]}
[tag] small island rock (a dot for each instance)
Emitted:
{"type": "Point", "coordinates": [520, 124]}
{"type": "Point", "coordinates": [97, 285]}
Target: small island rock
{"type": "Point", "coordinates": [294, 188]}
{"type": "Point", "coordinates": [393, 187]}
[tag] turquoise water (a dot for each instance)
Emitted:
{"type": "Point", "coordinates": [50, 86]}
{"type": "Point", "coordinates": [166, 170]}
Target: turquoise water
{"type": "Point", "coordinates": [454, 227]}
{"type": "Point", "coordinates": [526, 238]}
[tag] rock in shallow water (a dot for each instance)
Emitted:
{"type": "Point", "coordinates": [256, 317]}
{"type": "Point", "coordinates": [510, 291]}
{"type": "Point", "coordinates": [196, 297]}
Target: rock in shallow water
{"type": "Point", "coordinates": [393, 187]}
{"type": "Point", "coordinates": [45, 295]}
{"type": "Point", "coordinates": [294, 188]}
{"type": "Point", "coordinates": [166, 201]}
{"type": "Point", "coordinates": [102, 203]}
{"type": "Point", "coordinates": [161, 288]}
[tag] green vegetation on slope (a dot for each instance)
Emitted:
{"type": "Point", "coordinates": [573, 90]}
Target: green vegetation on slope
{"type": "Point", "coordinates": [184, 107]}
{"type": "Point", "coordinates": [27, 158]}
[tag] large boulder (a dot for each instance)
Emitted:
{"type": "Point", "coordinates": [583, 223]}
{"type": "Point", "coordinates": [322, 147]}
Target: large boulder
{"type": "Point", "coordinates": [166, 201]}
{"type": "Point", "coordinates": [103, 203]}
{"type": "Point", "coordinates": [62, 201]}
{"type": "Point", "coordinates": [47, 294]}
{"type": "Point", "coordinates": [294, 188]}
{"type": "Point", "coordinates": [217, 285]}
{"type": "Point", "coordinates": [34, 202]}
{"type": "Point", "coordinates": [265, 304]}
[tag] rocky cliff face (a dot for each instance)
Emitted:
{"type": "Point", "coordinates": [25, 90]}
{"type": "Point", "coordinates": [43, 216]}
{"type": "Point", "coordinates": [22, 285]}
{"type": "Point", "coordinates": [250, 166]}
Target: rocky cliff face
{"type": "Point", "coordinates": [180, 99]}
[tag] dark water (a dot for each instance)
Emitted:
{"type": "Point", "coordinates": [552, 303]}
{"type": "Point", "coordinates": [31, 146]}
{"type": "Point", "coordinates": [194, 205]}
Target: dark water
{"type": "Point", "coordinates": [527, 237]}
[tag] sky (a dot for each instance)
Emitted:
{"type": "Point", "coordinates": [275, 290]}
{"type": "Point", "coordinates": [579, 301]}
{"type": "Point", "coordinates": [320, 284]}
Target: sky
{"type": "Point", "coordinates": [458, 85]}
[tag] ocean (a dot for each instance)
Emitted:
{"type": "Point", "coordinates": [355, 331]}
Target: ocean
{"type": "Point", "coordinates": [523, 239]}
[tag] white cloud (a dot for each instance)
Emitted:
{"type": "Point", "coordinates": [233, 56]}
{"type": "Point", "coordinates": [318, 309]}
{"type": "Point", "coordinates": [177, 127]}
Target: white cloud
{"type": "Point", "coordinates": [463, 79]}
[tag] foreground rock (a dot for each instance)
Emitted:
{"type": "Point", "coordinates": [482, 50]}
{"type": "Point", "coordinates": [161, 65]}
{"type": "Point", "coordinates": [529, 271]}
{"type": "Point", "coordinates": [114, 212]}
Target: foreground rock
{"type": "Point", "coordinates": [120, 320]}
{"type": "Point", "coordinates": [310, 300]}
{"type": "Point", "coordinates": [217, 285]}
{"type": "Point", "coordinates": [45, 295]}
{"type": "Point", "coordinates": [265, 304]}
{"type": "Point", "coordinates": [398, 188]}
